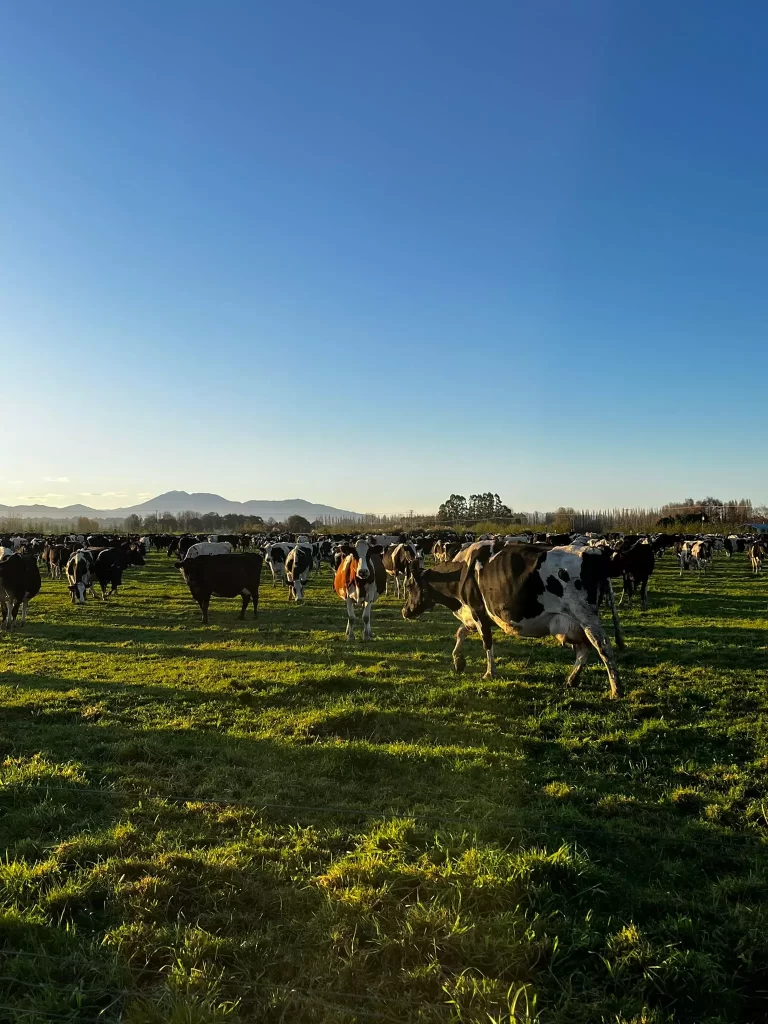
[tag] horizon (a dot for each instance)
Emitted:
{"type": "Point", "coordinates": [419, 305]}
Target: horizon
{"type": "Point", "coordinates": [380, 255]}
{"type": "Point", "coordinates": [671, 503]}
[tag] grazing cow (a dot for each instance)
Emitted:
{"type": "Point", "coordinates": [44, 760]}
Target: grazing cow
{"type": "Point", "coordinates": [298, 562]}
{"type": "Point", "coordinates": [276, 556]}
{"type": "Point", "coordinates": [223, 576]}
{"type": "Point", "coordinates": [360, 580]}
{"type": "Point", "coordinates": [78, 571]}
{"type": "Point", "coordinates": [19, 583]}
{"type": "Point", "coordinates": [526, 590]}
{"type": "Point", "coordinates": [222, 547]}
{"type": "Point", "coordinates": [397, 560]}
{"type": "Point", "coordinates": [756, 555]}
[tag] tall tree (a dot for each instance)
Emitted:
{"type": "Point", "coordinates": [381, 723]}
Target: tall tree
{"type": "Point", "coordinates": [298, 524]}
{"type": "Point", "coordinates": [454, 508]}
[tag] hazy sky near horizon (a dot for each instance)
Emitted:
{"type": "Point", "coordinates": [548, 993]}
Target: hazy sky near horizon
{"type": "Point", "coordinates": [369, 255]}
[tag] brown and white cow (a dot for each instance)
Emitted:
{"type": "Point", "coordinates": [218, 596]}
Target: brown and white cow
{"type": "Point", "coordinates": [360, 581]}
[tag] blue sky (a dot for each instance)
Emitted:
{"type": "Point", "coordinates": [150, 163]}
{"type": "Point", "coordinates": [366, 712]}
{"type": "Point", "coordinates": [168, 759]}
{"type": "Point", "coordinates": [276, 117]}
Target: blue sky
{"type": "Point", "coordinates": [369, 254]}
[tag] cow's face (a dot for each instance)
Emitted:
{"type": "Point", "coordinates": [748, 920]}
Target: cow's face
{"type": "Point", "coordinates": [361, 551]}
{"type": "Point", "coordinates": [417, 595]}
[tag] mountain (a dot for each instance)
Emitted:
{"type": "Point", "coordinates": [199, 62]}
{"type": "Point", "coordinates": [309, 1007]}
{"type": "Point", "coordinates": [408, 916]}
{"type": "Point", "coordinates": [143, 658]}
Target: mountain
{"type": "Point", "coordinates": [182, 501]}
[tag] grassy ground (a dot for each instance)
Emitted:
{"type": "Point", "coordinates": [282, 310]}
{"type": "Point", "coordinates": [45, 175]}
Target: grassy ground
{"type": "Point", "coordinates": [263, 823]}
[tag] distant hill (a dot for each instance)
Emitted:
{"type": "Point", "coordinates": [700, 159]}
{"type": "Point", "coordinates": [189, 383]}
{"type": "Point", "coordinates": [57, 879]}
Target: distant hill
{"type": "Point", "coordinates": [182, 501]}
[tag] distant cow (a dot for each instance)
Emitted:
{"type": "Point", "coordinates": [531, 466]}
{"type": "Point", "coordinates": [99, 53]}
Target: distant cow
{"type": "Point", "coordinates": [19, 583]}
{"type": "Point", "coordinates": [360, 581]}
{"type": "Point", "coordinates": [297, 565]}
{"type": "Point", "coordinates": [756, 555]}
{"type": "Point", "coordinates": [78, 571]}
{"type": "Point", "coordinates": [222, 547]}
{"type": "Point", "coordinates": [275, 559]}
{"type": "Point", "coordinates": [223, 576]}
{"type": "Point", "coordinates": [694, 554]}
{"type": "Point", "coordinates": [526, 590]}
{"type": "Point", "coordinates": [734, 544]}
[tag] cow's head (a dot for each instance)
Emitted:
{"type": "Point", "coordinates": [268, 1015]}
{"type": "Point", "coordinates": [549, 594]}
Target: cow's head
{"type": "Point", "coordinates": [296, 589]}
{"type": "Point", "coordinates": [418, 594]}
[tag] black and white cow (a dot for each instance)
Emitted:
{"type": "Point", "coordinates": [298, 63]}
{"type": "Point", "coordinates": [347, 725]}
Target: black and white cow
{"type": "Point", "coordinates": [756, 555]}
{"type": "Point", "coordinates": [275, 560]}
{"type": "Point", "coordinates": [298, 562]}
{"type": "Point", "coordinates": [398, 559]}
{"type": "Point", "coordinates": [526, 590]}
{"type": "Point", "coordinates": [19, 583]}
{"type": "Point", "coordinates": [733, 544]}
{"type": "Point", "coordinates": [78, 572]}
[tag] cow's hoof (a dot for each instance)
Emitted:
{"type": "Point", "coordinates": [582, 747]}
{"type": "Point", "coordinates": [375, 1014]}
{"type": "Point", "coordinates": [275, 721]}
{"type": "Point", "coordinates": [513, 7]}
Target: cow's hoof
{"type": "Point", "coordinates": [489, 675]}
{"type": "Point", "coordinates": [459, 663]}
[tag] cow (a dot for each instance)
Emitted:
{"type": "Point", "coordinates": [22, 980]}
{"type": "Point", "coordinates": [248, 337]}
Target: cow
{"type": "Point", "coordinates": [733, 544]}
{"type": "Point", "coordinates": [183, 545]}
{"type": "Point", "coordinates": [19, 583]}
{"type": "Point", "coordinates": [635, 564]}
{"type": "Point", "coordinates": [222, 547]}
{"type": "Point", "coordinates": [472, 551]}
{"type": "Point", "coordinates": [526, 590]}
{"type": "Point", "coordinates": [223, 576]}
{"type": "Point", "coordinates": [694, 554]}
{"type": "Point", "coordinates": [397, 560]}
{"type": "Point", "coordinates": [55, 557]}
{"type": "Point", "coordinates": [275, 559]}
{"type": "Point", "coordinates": [360, 581]}
{"type": "Point", "coordinates": [5, 552]}
{"type": "Point", "coordinates": [756, 555]}
{"type": "Point", "coordinates": [298, 562]}
{"type": "Point", "coordinates": [108, 564]}
{"type": "Point", "coordinates": [78, 572]}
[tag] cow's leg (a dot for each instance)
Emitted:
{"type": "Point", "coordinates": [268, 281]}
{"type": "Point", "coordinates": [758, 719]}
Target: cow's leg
{"type": "Point", "coordinates": [245, 598]}
{"type": "Point", "coordinates": [598, 639]}
{"type": "Point", "coordinates": [459, 661]}
{"type": "Point", "coordinates": [367, 608]}
{"type": "Point", "coordinates": [485, 630]}
{"type": "Point", "coordinates": [24, 606]}
{"type": "Point", "coordinates": [204, 602]}
{"type": "Point", "coordinates": [582, 657]}
{"type": "Point", "coordinates": [644, 595]}
{"type": "Point", "coordinates": [350, 618]}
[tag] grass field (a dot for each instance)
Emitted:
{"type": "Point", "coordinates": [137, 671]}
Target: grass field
{"type": "Point", "coordinates": [261, 822]}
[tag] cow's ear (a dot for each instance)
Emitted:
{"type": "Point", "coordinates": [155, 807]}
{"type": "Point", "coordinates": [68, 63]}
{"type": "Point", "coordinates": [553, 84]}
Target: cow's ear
{"type": "Point", "coordinates": [347, 549]}
{"type": "Point", "coordinates": [376, 549]}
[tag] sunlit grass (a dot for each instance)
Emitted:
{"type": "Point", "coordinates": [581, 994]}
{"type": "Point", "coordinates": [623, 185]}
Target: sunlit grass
{"type": "Point", "coordinates": [248, 822]}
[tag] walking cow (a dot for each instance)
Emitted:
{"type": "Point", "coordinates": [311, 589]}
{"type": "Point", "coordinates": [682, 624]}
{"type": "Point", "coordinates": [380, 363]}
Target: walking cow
{"type": "Point", "coordinates": [360, 581]}
{"type": "Point", "coordinates": [525, 590]}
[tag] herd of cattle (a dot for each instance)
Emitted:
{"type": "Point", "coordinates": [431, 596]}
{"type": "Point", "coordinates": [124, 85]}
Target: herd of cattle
{"type": "Point", "coordinates": [531, 585]}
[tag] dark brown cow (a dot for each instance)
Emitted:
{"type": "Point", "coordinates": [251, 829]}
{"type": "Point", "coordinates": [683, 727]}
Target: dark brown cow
{"type": "Point", "coordinates": [223, 576]}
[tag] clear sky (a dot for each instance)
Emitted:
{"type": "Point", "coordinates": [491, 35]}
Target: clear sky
{"type": "Point", "coordinates": [369, 254]}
